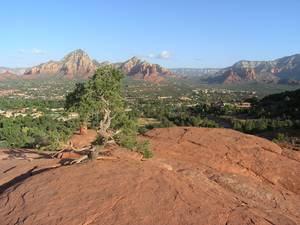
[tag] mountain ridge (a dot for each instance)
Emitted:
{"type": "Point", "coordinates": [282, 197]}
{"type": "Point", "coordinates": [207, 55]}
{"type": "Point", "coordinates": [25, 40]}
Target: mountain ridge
{"type": "Point", "coordinates": [285, 69]}
{"type": "Point", "coordinates": [78, 64]}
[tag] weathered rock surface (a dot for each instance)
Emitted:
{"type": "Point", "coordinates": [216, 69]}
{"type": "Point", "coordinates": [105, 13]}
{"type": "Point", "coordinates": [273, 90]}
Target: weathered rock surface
{"type": "Point", "coordinates": [79, 64]}
{"type": "Point", "coordinates": [282, 70]}
{"type": "Point", "coordinates": [76, 63]}
{"type": "Point", "coordinates": [198, 176]}
{"type": "Point", "coordinates": [146, 71]}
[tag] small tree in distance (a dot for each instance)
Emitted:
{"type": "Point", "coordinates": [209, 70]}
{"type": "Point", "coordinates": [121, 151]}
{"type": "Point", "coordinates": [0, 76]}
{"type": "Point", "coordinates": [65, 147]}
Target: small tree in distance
{"type": "Point", "coordinates": [100, 98]}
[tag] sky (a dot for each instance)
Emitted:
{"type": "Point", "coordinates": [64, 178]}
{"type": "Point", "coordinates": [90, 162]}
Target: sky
{"type": "Point", "coordinates": [173, 33]}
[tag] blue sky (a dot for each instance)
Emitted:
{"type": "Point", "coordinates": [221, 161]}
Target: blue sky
{"type": "Point", "coordinates": [174, 33]}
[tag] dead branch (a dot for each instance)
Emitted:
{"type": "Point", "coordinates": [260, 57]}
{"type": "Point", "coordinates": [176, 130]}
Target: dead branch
{"type": "Point", "coordinates": [107, 158]}
{"type": "Point", "coordinates": [79, 160]}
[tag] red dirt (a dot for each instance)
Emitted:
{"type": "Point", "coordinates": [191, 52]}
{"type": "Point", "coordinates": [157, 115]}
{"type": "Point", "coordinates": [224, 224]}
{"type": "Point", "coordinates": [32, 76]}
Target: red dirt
{"type": "Point", "coordinates": [79, 141]}
{"type": "Point", "coordinates": [197, 176]}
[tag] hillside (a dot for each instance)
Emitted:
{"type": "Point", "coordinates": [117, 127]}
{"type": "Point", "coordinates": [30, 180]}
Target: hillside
{"type": "Point", "coordinates": [8, 76]}
{"type": "Point", "coordinates": [285, 104]}
{"type": "Point", "coordinates": [282, 70]}
{"type": "Point", "coordinates": [197, 176]}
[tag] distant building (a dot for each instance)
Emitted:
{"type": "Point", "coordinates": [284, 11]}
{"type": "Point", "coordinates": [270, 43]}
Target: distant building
{"type": "Point", "coordinates": [9, 113]}
{"type": "Point", "coordinates": [243, 105]}
{"type": "Point", "coordinates": [164, 97]}
{"type": "Point", "coordinates": [37, 114]}
{"type": "Point", "coordinates": [73, 115]}
{"type": "Point", "coordinates": [183, 98]}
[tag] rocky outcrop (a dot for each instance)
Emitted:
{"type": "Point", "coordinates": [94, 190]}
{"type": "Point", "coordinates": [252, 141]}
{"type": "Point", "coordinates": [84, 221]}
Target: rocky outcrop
{"type": "Point", "coordinates": [79, 64]}
{"type": "Point", "coordinates": [143, 70]}
{"type": "Point", "coordinates": [197, 176]}
{"type": "Point", "coordinates": [231, 77]}
{"type": "Point", "coordinates": [75, 64]}
{"type": "Point", "coordinates": [281, 70]}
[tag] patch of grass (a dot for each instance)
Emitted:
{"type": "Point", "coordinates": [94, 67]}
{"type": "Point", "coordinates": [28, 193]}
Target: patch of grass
{"type": "Point", "coordinates": [280, 137]}
{"type": "Point", "coordinates": [144, 149]}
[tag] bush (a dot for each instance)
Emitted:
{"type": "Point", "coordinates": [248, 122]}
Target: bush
{"type": "Point", "coordinates": [144, 149]}
{"type": "Point", "coordinates": [127, 137]}
{"type": "Point", "coordinates": [280, 137]}
{"type": "Point", "coordinates": [27, 132]}
{"type": "Point", "coordinates": [142, 130]}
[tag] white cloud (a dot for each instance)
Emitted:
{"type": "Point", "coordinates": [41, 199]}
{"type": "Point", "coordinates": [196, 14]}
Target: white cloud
{"type": "Point", "coordinates": [151, 55]}
{"type": "Point", "coordinates": [36, 51]}
{"type": "Point", "coordinates": [163, 55]}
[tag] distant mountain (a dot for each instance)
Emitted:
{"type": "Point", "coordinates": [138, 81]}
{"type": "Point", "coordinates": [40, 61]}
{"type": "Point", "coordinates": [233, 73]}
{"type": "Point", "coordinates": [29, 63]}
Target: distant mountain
{"type": "Point", "coordinates": [8, 76]}
{"type": "Point", "coordinates": [144, 70]}
{"type": "Point", "coordinates": [283, 70]}
{"type": "Point", "coordinates": [75, 64]}
{"type": "Point", "coordinates": [195, 72]}
{"type": "Point", "coordinates": [79, 64]}
{"type": "Point", "coordinates": [17, 71]}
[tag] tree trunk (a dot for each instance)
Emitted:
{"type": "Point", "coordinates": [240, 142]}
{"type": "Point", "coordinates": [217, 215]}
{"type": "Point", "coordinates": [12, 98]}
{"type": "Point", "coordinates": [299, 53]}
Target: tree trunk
{"type": "Point", "coordinates": [94, 153]}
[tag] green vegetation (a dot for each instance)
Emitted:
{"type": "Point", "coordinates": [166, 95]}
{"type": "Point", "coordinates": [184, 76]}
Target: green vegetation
{"type": "Point", "coordinates": [144, 149]}
{"type": "Point", "coordinates": [32, 112]}
{"type": "Point", "coordinates": [169, 115]}
{"type": "Point", "coordinates": [280, 137]}
{"type": "Point", "coordinates": [284, 105]}
{"type": "Point", "coordinates": [43, 132]}
{"type": "Point", "coordinates": [100, 102]}
{"type": "Point", "coordinates": [260, 125]}
{"type": "Point", "coordinates": [7, 103]}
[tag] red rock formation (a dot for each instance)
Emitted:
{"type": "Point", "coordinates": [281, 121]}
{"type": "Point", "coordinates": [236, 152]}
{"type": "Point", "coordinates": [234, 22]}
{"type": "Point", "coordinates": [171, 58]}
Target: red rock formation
{"type": "Point", "coordinates": [197, 176]}
{"type": "Point", "coordinates": [231, 77]}
{"type": "Point", "coordinates": [144, 70]}
{"type": "Point", "coordinates": [77, 63]}
{"type": "Point", "coordinates": [250, 74]}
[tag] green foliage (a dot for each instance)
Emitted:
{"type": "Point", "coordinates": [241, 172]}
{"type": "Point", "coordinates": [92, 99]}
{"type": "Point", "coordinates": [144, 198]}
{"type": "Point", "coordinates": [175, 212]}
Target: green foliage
{"type": "Point", "coordinates": [144, 149]}
{"type": "Point", "coordinates": [127, 136]}
{"type": "Point", "coordinates": [143, 129]}
{"type": "Point", "coordinates": [280, 137]}
{"type": "Point", "coordinates": [28, 132]}
{"type": "Point", "coordinates": [101, 93]}
{"type": "Point", "coordinates": [285, 105]}
{"type": "Point", "coordinates": [261, 125]}
{"type": "Point", "coordinates": [173, 115]}
{"type": "Point", "coordinates": [7, 103]}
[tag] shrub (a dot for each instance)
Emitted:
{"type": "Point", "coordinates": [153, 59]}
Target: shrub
{"type": "Point", "coordinates": [144, 149]}
{"type": "Point", "coordinates": [280, 137]}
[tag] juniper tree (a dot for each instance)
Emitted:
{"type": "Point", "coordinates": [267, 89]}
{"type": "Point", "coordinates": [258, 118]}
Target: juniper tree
{"type": "Point", "coordinates": [100, 98]}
